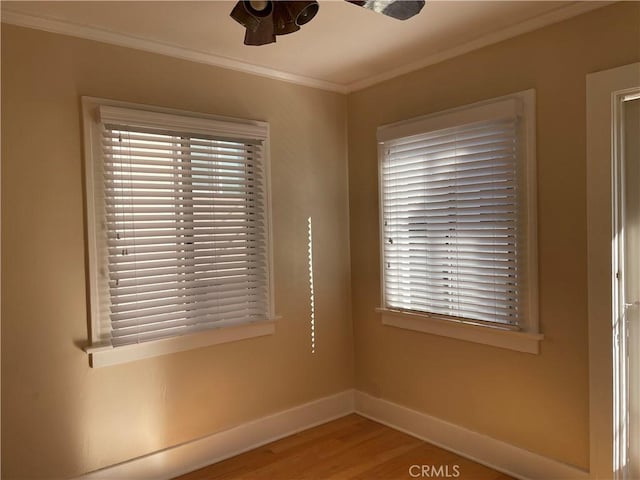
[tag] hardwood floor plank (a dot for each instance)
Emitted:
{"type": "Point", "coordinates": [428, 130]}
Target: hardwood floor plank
{"type": "Point", "coordinates": [399, 466]}
{"type": "Point", "coordinates": [350, 448]}
{"type": "Point", "coordinates": [356, 458]}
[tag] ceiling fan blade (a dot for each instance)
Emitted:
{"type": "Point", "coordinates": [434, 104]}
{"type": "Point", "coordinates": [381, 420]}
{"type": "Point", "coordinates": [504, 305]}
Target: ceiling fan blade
{"type": "Point", "coordinates": [399, 9]}
{"type": "Point", "coordinates": [264, 19]}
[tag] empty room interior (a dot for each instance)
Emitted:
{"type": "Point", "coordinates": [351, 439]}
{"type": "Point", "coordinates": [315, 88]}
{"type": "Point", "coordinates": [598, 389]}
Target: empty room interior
{"type": "Point", "coordinates": [320, 240]}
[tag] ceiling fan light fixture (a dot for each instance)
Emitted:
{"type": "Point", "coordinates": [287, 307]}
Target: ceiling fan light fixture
{"type": "Point", "coordinates": [303, 12]}
{"type": "Point", "coordinates": [262, 36]}
{"type": "Point", "coordinates": [284, 19]}
{"type": "Point", "coordinates": [251, 14]}
{"type": "Point", "coordinates": [264, 19]}
{"type": "Point", "coordinates": [259, 8]}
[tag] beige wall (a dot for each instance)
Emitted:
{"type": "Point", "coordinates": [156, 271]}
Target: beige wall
{"type": "Point", "coordinates": [539, 402]}
{"type": "Point", "coordinates": [60, 417]}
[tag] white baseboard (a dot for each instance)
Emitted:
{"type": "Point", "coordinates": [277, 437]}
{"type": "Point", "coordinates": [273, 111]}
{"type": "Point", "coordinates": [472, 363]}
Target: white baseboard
{"type": "Point", "coordinates": [168, 463]}
{"type": "Point", "coordinates": [501, 456]}
{"type": "Point", "coordinates": [488, 451]}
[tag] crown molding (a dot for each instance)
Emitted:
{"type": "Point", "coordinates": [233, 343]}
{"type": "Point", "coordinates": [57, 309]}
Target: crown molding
{"type": "Point", "coordinates": [106, 36]}
{"type": "Point", "coordinates": [555, 16]}
{"type": "Point", "coordinates": [153, 46]}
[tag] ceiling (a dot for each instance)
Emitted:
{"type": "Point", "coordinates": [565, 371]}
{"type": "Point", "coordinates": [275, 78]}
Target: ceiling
{"type": "Point", "coordinates": [344, 48]}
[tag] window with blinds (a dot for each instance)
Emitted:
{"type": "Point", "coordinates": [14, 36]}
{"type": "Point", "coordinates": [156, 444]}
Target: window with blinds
{"type": "Point", "coordinates": [180, 225]}
{"type": "Point", "coordinates": [454, 216]}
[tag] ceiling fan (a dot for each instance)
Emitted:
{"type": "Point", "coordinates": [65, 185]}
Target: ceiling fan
{"type": "Point", "coordinates": [264, 19]}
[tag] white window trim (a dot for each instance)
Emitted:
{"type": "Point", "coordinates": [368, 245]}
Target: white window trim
{"type": "Point", "coordinates": [528, 338]}
{"type": "Point", "coordinates": [108, 355]}
{"type": "Point", "coordinates": [605, 91]}
{"type": "Point", "coordinates": [94, 111]}
{"type": "Point", "coordinates": [461, 330]}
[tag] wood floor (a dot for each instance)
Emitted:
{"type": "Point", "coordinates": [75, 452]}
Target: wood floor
{"type": "Point", "coordinates": [351, 447]}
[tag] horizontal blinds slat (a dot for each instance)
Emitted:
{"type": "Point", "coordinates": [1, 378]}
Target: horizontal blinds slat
{"type": "Point", "coordinates": [450, 209]}
{"type": "Point", "coordinates": [212, 275]}
{"type": "Point", "coordinates": [168, 196]}
{"type": "Point", "coordinates": [120, 160]}
{"type": "Point", "coordinates": [469, 260]}
{"type": "Point", "coordinates": [412, 217]}
{"type": "Point", "coordinates": [192, 325]}
{"type": "Point", "coordinates": [460, 134]}
{"type": "Point", "coordinates": [164, 161]}
{"type": "Point", "coordinates": [134, 180]}
{"type": "Point", "coordinates": [201, 260]}
{"type": "Point", "coordinates": [457, 311]}
{"type": "Point", "coordinates": [444, 196]}
{"type": "Point", "coordinates": [126, 187]}
{"type": "Point", "coordinates": [185, 266]}
{"type": "Point", "coordinates": [177, 226]}
{"type": "Point", "coordinates": [185, 232]}
{"type": "Point", "coordinates": [182, 216]}
{"type": "Point", "coordinates": [442, 155]}
{"type": "Point", "coordinates": [430, 182]}
{"type": "Point", "coordinates": [113, 131]}
{"type": "Point", "coordinates": [477, 289]}
{"type": "Point", "coordinates": [185, 317]}
{"type": "Point", "coordinates": [132, 140]}
{"type": "Point", "coordinates": [484, 187]}
{"type": "Point", "coordinates": [221, 229]}
{"type": "Point", "coordinates": [490, 163]}
{"type": "Point", "coordinates": [198, 206]}
{"type": "Point", "coordinates": [453, 207]}
{"type": "Point", "coordinates": [126, 134]}
{"type": "Point", "coordinates": [133, 257]}
{"type": "Point", "coordinates": [188, 167]}
{"type": "Point", "coordinates": [462, 281]}
{"type": "Point", "coordinates": [436, 249]}
{"type": "Point", "coordinates": [184, 240]}
{"type": "Point", "coordinates": [447, 240]}
{"type": "Point", "coordinates": [123, 299]}
{"type": "Point", "coordinates": [495, 270]}
{"type": "Point", "coordinates": [143, 315]}
{"type": "Point", "coordinates": [141, 309]}
{"type": "Point", "coordinates": [484, 305]}
{"type": "Point", "coordinates": [175, 246]}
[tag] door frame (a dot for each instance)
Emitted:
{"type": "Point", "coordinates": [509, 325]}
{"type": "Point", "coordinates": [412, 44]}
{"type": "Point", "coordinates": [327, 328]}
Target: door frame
{"type": "Point", "coordinates": [604, 91]}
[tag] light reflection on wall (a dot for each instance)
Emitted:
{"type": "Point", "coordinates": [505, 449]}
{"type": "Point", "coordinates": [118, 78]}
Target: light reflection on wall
{"type": "Point", "coordinates": [311, 291]}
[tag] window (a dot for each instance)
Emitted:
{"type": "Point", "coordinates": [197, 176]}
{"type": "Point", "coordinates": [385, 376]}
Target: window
{"type": "Point", "coordinates": [178, 227]}
{"type": "Point", "coordinates": [458, 237]}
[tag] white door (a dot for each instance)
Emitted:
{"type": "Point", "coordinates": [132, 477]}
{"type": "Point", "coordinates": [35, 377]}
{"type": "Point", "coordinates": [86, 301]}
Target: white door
{"type": "Point", "coordinates": [613, 234]}
{"type": "Point", "coordinates": [630, 263]}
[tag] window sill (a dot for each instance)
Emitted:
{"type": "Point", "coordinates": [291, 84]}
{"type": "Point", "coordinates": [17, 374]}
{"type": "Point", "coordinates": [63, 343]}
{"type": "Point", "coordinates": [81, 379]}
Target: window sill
{"type": "Point", "coordinates": [104, 356]}
{"type": "Point", "coordinates": [513, 340]}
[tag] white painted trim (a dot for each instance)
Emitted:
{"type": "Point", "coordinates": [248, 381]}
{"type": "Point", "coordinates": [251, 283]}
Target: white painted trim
{"type": "Point", "coordinates": [603, 90]}
{"type": "Point", "coordinates": [153, 46]}
{"type": "Point", "coordinates": [107, 36]}
{"type": "Point", "coordinates": [487, 335]}
{"type": "Point", "coordinates": [488, 451]}
{"type": "Point", "coordinates": [508, 106]}
{"type": "Point", "coordinates": [104, 356]}
{"type": "Point", "coordinates": [97, 110]}
{"type": "Point", "coordinates": [185, 122]}
{"type": "Point", "coordinates": [190, 456]}
{"type": "Point", "coordinates": [522, 104]}
{"type": "Point", "coordinates": [562, 13]}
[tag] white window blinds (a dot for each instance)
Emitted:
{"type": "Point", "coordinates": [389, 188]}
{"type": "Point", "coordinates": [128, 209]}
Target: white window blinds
{"type": "Point", "coordinates": [184, 229]}
{"type": "Point", "coordinates": [453, 233]}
